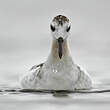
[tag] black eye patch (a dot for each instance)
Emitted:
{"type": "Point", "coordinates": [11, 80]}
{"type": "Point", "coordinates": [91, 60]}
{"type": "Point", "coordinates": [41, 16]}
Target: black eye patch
{"type": "Point", "coordinates": [52, 28]}
{"type": "Point", "coordinates": [68, 28]}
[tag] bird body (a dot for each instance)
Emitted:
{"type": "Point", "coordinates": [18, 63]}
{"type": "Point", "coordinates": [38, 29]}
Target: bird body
{"type": "Point", "coordinates": [58, 72]}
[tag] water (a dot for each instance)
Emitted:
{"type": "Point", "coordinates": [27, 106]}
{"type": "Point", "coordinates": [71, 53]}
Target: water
{"type": "Point", "coordinates": [16, 98]}
{"type": "Point", "coordinates": [25, 40]}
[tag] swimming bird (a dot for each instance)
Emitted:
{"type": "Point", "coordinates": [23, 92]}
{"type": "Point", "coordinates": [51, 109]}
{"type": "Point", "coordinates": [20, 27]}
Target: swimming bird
{"type": "Point", "coordinates": [58, 72]}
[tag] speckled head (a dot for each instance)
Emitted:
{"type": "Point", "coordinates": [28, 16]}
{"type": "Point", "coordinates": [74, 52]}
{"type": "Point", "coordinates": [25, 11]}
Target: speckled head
{"type": "Point", "coordinates": [60, 20]}
{"type": "Point", "coordinates": [60, 27]}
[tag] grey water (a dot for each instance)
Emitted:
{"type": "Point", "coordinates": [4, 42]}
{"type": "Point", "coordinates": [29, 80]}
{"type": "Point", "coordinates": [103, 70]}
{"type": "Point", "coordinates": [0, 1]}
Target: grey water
{"type": "Point", "coordinates": [25, 40]}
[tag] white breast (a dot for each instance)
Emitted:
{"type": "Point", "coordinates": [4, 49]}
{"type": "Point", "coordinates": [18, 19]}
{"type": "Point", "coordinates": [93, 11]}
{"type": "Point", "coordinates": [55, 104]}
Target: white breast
{"type": "Point", "coordinates": [61, 75]}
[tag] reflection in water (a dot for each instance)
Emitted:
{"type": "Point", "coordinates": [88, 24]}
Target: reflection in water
{"type": "Point", "coordinates": [26, 99]}
{"type": "Point", "coordinates": [100, 89]}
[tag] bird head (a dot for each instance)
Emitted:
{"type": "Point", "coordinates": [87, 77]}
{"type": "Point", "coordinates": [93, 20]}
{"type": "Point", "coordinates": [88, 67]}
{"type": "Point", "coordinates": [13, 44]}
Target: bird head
{"type": "Point", "coordinates": [60, 27]}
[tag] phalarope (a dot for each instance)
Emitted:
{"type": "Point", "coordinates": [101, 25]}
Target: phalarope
{"type": "Point", "coordinates": [58, 72]}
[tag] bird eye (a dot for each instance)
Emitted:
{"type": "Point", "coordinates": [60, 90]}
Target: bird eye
{"type": "Point", "coordinates": [68, 28]}
{"type": "Point", "coordinates": [52, 28]}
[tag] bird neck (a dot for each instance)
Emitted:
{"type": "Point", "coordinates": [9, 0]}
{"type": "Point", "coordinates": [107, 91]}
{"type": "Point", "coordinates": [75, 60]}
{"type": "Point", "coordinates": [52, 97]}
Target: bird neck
{"type": "Point", "coordinates": [54, 51]}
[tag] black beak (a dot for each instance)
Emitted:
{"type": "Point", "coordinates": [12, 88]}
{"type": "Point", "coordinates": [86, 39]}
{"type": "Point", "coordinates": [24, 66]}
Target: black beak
{"type": "Point", "coordinates": [60, 51]}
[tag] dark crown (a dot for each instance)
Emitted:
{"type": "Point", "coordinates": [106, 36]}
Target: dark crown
{"type": "Point", "coordinates": [60, 19]}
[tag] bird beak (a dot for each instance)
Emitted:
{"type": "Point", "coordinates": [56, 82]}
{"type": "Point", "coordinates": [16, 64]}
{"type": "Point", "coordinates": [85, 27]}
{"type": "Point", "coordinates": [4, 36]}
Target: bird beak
{"type": "Point", "coordinates": [60, 50]}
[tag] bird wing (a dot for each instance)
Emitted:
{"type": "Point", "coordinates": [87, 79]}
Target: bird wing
{"type": "Point", "coordinates": [36, 66]}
